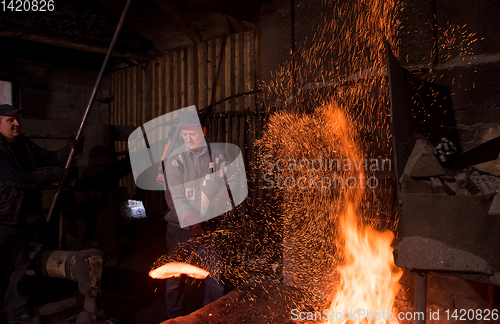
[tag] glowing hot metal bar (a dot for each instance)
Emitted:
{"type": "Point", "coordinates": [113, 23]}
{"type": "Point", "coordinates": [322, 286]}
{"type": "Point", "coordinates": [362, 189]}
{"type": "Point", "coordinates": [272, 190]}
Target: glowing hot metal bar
{"type": "Point", "coordinates": [176, 269]}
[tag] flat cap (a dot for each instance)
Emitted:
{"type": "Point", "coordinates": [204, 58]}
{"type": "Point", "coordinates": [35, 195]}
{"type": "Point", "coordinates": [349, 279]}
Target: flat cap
{"type": "Point", "coordinates": [7, 110]}
{"type": "Point", "coordinates": [191, 118]}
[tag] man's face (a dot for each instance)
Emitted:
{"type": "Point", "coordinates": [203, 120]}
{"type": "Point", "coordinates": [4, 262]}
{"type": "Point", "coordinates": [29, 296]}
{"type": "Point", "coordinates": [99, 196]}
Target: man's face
{"type": "Point", "coordinates": [10, 127]}
{"type": "Point", "coordinates": [194, 137]}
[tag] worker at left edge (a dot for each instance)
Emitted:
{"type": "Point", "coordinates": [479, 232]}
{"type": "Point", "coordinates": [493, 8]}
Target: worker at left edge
{"type": "Point", "coordinates": [21, 182]}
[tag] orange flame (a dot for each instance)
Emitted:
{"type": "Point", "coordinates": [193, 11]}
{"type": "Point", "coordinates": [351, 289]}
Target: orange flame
{"type": "Point", "coordinates": [176, 269]}
{"type": "Point", "coordinates": [369, 280]}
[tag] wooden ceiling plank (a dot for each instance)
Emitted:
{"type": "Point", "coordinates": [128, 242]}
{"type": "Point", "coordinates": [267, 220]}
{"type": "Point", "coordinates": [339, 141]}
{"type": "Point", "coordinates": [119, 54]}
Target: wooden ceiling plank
{"type": "Point", "coordinates": [133, 24]}
{"type": "Point", "coordinates": [179, 18]}
{"type": "Point", "coordinates": [76, 45]}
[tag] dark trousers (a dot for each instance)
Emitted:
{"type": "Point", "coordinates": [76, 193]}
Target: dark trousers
{"type": "Point", "coordinates": [174, 294]}
{"type": "Point", "coordinates": [14, 262]}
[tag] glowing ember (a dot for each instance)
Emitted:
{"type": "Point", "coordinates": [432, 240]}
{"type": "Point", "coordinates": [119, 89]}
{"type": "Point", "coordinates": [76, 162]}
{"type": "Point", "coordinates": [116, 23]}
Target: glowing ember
{"type": "Point", "coordinates": [176, 269]}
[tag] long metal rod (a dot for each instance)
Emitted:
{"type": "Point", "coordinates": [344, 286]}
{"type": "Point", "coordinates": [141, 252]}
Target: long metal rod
{"type": "Point", "coordinates": [91, 102]}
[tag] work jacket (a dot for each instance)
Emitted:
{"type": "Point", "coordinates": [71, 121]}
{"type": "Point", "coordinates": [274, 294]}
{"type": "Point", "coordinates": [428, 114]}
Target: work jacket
{"type": "Point", "coordinates": [15, 180]}
{"type": "Point", "coordinates": [186, 190]}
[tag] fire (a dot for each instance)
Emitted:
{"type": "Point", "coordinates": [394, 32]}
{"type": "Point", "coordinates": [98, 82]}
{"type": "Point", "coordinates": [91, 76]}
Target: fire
{"type": "Point", "coordinates": [368, 282]}
{"type": "Point", "coordinates": [368, 278]}
{"type": "Point", "coordinates": [176, 269]}
{"type": "Point", "coordinates": [331, 247]}
{"type": "Point", "coordinates": [333, 250]}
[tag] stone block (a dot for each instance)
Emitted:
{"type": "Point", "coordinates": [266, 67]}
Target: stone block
{"type": "Point", "coordinates": [422, 162]}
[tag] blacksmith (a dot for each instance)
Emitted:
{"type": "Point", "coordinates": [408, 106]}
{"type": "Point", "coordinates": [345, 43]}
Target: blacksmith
{"type": "Point", "coordinates": [20, 201]}
{"type": "Point", "coordinates": [197, 192]}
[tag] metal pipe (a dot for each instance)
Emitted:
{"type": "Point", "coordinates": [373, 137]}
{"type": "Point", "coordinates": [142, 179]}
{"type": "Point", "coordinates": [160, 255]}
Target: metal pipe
{"type": "Point", "coordinates": [420, 297]}
{"type": "Point", "coordinates": [91, 102]}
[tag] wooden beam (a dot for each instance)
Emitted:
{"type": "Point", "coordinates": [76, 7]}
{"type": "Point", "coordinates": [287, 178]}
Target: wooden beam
{"type": "Point", "coordinates": [179, 18]}
{"type": "Point", "coordinates": [66, 42]}
{"type": "Point", "coordinates": [133, 24]}
{"type": "Point", "coordinates": [237, 25]}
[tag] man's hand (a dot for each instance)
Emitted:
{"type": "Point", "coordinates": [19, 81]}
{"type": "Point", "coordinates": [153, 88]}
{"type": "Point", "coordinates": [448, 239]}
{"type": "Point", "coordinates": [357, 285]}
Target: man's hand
{"type": "Point", "coordinates": [77, 144]}
{"type": "Point", "coordinates": [59, 174]}
{"type": "Point", "coordinates": [47, 177]}
{"type": "Point", "coordinates": [220, 203]}
{"type": "Point", "coordinates": [196, 229]}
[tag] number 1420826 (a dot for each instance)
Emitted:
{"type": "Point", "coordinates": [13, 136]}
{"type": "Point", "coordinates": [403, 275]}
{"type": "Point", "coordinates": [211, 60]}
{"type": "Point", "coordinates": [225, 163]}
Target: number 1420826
{"type": "Point", "coordinates": [27, 5]}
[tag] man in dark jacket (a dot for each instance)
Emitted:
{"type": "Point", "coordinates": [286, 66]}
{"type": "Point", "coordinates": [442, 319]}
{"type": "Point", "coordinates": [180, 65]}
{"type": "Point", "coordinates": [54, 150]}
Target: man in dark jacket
{"type": "Point", "coordinates": [197, 192]}
{"type": "Point", "coordinates": [20, 200]}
